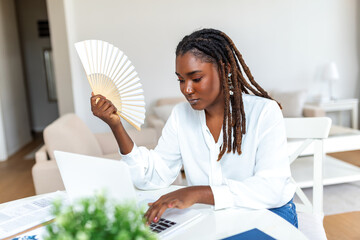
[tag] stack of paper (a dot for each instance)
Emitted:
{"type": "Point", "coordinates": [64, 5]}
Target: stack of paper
{"type": "Point", "coordinates": [25, 214]}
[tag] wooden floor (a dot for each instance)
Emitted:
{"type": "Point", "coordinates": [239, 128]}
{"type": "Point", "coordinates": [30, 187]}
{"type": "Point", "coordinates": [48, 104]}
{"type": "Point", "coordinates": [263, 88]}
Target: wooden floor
{"type": "Point", "coordinates": [342, 226]}
{"type": "Point", "coordinates": [16, 182]}
{"type": "Point", "coordinates": [15, 173]}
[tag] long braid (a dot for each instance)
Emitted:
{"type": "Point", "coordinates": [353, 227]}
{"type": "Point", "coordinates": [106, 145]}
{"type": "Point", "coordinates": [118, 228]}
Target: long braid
{"type": "Point", "coordinates": [239, 117]}
{"type": "Point", "coordinates": [216, 47]}
{"type": "Point", "coordinates": [225, 88]}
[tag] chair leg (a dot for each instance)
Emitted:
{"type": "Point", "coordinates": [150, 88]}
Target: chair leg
{"type": "Point", "coordinates": [318, 177]}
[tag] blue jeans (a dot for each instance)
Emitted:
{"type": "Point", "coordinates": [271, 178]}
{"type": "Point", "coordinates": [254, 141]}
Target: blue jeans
{"type": "Point", "coordinates": [287, 212]}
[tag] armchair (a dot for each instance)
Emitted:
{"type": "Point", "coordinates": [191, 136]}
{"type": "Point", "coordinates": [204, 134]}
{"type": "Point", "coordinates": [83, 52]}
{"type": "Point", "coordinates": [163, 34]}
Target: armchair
{"type": "Point", "coordinates": [69, 133]}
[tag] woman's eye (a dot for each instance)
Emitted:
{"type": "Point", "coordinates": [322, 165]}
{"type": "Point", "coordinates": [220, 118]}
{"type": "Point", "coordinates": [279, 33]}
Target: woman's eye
{"type": "Point", "coordinates": [181, 80]}
{"type": "Point", "coordinates": [197, 79]}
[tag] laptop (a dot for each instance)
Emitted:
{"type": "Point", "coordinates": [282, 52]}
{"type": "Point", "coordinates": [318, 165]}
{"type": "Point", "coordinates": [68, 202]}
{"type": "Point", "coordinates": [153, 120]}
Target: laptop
{"type": "Point", "coordinates": [83, 176]}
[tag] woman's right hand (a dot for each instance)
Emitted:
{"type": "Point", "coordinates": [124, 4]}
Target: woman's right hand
{"type": "Point", "coordinates": [105, 110]}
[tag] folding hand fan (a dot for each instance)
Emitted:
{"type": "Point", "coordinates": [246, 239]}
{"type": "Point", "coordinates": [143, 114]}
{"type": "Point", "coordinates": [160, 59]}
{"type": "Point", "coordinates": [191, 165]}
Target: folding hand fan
{"type": "Point", "coordinates": [111, 74]}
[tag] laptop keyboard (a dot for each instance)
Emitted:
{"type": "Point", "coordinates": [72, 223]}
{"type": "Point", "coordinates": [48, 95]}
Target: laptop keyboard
{"type": "Point", "coordinates": [161, 225]}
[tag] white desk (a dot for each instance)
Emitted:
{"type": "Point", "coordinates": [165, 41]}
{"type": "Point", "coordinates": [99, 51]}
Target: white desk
{"type": "Point", "coordinates": [223, 223]}
{"type": "Point", "coordinates": [339, 105]}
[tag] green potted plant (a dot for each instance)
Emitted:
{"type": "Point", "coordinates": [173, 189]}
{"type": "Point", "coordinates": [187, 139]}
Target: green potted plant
{"type": "Point", "coordinates": [97, 218]}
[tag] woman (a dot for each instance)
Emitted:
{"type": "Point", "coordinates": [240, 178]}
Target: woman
{"type": "Point", "coordinates": [232, 144]}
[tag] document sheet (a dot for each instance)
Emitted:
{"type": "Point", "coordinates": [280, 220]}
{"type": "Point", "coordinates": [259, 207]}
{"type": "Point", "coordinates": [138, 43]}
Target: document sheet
{"type": "Point", "coordinates": [26, 213]}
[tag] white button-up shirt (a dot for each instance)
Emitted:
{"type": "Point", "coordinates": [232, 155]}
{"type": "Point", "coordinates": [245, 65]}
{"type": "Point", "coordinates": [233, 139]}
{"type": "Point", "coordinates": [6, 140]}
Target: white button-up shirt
{"type": "Point", "coordinates": [258, 178]}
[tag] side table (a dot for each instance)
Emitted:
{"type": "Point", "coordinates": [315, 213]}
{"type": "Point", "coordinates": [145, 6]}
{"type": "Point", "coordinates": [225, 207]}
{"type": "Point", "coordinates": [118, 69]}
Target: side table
{"type": "Point", "coordinates": [340, 105]}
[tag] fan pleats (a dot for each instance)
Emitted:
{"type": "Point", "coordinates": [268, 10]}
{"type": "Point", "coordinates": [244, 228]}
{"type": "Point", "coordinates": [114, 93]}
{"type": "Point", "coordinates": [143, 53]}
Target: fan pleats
{"type": "Point", "coordinates": [111, 74]}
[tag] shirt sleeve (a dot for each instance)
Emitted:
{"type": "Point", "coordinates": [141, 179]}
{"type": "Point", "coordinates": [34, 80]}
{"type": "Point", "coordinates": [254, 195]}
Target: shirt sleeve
{"type": "Point", "coordinates": [158, 168]}
{"type": "Point", "coordinates": [270, 186]}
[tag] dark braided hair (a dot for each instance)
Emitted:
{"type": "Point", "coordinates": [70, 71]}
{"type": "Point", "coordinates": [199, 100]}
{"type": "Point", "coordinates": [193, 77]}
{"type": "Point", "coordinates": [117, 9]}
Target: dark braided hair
{"type": "Point", "coordinates": [216, 47]}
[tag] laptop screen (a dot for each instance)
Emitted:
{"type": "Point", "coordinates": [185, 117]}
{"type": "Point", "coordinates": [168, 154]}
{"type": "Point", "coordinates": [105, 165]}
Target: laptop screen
{"type": "Point", "coordinates": [83, 176]}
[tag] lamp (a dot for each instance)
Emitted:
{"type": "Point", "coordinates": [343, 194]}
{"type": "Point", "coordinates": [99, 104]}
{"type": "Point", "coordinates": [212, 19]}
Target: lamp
{"type": "Point", "coordinates": [330, 75]}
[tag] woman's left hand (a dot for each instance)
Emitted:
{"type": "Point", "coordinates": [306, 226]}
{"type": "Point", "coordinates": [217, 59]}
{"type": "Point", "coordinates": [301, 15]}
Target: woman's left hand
{"type": "Point", "coordinates": [182, 198]}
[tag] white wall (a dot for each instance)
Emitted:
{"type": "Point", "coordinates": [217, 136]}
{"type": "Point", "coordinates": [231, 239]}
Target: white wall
{"type": "Point", "coordinates": [3, 150]}
{"type": "Point", "coordinates": [284, 42]}
{"type": "Point", "coordinates": [358, 53]}
{"type": "Point", "coordinates": [60, 48]}
{"type": "Point", "coordinates": [14, 120]}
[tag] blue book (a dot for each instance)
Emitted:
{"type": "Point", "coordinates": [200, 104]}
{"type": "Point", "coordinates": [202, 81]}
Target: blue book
{"type": "Point", "coordinates": [250, 235]}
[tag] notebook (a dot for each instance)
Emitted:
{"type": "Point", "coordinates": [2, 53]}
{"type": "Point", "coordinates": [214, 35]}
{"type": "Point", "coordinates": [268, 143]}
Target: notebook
{"type": "Point", "coordinates": [84, 175]}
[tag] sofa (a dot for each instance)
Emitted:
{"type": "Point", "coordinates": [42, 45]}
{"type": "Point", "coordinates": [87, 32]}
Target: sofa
{"type": "Point", "coordinates": [161, 112]}
{"type": "Point", "coordinates": [69, 133]}
{"type": "Point", "coordinates": [293, 105]}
